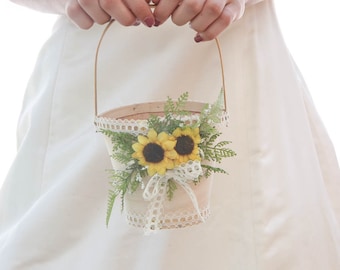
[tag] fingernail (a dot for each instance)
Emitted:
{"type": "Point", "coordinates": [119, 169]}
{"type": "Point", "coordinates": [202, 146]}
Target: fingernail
{"type": "Point", "coordinates": [149, 21]}
{"type": "Point", "coordinates": [157, 23]}
{"type": "Point", "coordinates": [137, 22]}
{"type": "Point", "coordinates": [198, 38]}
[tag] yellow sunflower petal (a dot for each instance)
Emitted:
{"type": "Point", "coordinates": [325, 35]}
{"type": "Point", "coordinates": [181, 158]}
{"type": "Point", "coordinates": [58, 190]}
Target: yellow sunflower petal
{"type": "Point", "coordinates": [196, 140]}
{"type": "Point", "coordinates": [143, 140]}
{"type": "Point", "coordinates": [177, 132]}
{"type": "Point", "coordinates": [194, 157]}
{"type": "Point", "coordinates": [183, 159]}
{"type": "Point", "coordinates": [169, 145]}
{"type": "Point", "coordinates": [142, 161]}
{"type": "Point", "coordinates": [152, 135]}
{"type": "Point", "coordinates": [163, 136]}
{"type": "Point", "coordinates": [171, 154]}
{"type": "Point", "coordinates": [169, 164]}
{"type": "Point", "coordinates": [160, 168]}
{"type": "Point", "coordinates": [186, 131]}
{"type": "Point", "coordinates": [196, 151]}
{"type": "Point", "coordinates": [137, 155]}
{"type": "Point", "coordinates": [151, 170]}
{"type": "Point", "coordinates": [177, 163]}
{"type": "Point", "coordinates": [137, 147]}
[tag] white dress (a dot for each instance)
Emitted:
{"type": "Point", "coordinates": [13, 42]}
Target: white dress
{"type": "Point", "coordinates": [278, 209]}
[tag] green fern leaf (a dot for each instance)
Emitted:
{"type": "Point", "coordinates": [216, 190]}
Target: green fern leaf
{"type": "Point", "coordinates": [111, 201]}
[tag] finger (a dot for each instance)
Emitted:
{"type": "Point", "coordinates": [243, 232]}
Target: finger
{"type": "Point", "coordinates": [78, 15]}
{"type": "Point", "coordinates": [231, 12]}
{"type": "Point", "coordinates": [211, 11]}
{"type": "Point", "coordinates": [94, 10]}
{"type": "Point", "coordinates": [142, 11]}
{"type": "Point", "coordinates": [164, 9]}
{"type": "Point", "coordinates": [118, 10]}
{"type": "Point", "coordinates": [187, 10]}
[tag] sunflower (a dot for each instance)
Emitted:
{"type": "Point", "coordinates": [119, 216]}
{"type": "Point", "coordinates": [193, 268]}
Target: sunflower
{"type": "Point", "coordinates": [156, 152]}
{"type": "Point", "coordinates": [187, 141]}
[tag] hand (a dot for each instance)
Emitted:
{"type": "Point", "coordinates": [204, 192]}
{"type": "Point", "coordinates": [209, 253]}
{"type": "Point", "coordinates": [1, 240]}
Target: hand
{"type": "Point", "coordinates": [207, 17]}
{"type": "Point", "coordinates": [85, 13]}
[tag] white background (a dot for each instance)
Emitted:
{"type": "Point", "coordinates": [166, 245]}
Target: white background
{"type": "Point", "coordinates": [311, 29]}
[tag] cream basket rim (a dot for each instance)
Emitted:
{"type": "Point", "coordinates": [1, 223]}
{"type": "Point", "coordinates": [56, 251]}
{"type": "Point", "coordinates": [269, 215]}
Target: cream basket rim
{"type": "Point", "coordinates": [156, 107]}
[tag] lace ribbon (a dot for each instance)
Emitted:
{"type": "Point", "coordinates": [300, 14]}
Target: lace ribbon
{"type": "Point", "coordinates": [155, 192]}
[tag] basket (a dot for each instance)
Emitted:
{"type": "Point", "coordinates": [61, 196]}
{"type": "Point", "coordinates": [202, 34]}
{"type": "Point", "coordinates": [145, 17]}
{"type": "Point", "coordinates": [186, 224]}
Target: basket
{"type": "Point", "coordinates": [147, 206]}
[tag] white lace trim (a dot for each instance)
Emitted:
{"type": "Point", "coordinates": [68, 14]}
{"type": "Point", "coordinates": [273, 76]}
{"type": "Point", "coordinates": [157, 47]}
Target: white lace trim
{"type": "Point", "coordinates": [171, 220]}
{"type": "Point", "coordinates": [133, 126]}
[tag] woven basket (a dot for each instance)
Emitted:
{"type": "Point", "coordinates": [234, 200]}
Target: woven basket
{"type": "Point", "coordinates": [159, 213]}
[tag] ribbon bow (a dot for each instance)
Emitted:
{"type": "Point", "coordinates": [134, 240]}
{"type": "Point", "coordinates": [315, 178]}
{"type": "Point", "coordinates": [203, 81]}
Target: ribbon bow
{"type": "Point", "coordinates": [155, 192]}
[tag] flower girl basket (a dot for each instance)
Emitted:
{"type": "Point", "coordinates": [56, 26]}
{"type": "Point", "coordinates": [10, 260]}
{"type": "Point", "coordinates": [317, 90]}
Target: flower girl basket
{"type": "Point", "coordinates": [147, 206]}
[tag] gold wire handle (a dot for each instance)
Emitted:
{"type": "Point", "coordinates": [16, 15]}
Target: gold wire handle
{"type": "Point", "coordinates": [96, 69]}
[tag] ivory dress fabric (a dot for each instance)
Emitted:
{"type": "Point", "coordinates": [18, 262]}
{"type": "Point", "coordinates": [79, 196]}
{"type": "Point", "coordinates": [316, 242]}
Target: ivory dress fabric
{"type": "Point", "coordinates": [279, 207]}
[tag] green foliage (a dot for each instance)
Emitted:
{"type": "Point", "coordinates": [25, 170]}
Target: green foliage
{"type": "Point", "coordinates": [170, 189]}
{"type": "Point", "coordinates": [215, 151]}
{"type": "Point", "coordinates": [210, 116]}
{"type": "Point", "coordinates": [172, 108]}
{"type": "Point", "coordinates": [111, 201]}
{"type": "Point", "coordinates": [213, 112]}
{"type": "Point", "coordinates": [122, 145]}
{"type": "Point", "coordinates": [123, 182]}
{"type": "Point", "coordinates": [209, 170]}
{"type": "Point", "coordinates": [173, 114]}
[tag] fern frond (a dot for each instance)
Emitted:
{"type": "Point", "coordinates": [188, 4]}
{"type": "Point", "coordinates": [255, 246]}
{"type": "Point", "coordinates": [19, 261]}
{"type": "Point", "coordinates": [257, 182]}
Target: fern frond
{"type": "Point", "coordinates": [172, 108]}
{"type": "Point", "coordinates": [121, 141]}
{"type": "Point", "coordinates": [155, 122]}
{"type": "Point", "coordinates": [209, 170]}
{"type": "Point", "coordinates": [211, 113]}
{"type": "Point", "coordinates": [111, 201]}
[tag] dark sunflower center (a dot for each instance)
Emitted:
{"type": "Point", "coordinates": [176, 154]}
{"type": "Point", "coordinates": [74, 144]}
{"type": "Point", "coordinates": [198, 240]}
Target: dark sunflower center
{"type": "Point", "coordinates": [185, 145]}
{"type": "Point", "coordinates": [153, 153]}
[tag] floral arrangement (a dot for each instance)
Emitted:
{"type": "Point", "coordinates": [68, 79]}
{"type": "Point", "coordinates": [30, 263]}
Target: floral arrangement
{"type": "Point", "coordinates": [169, 142]}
